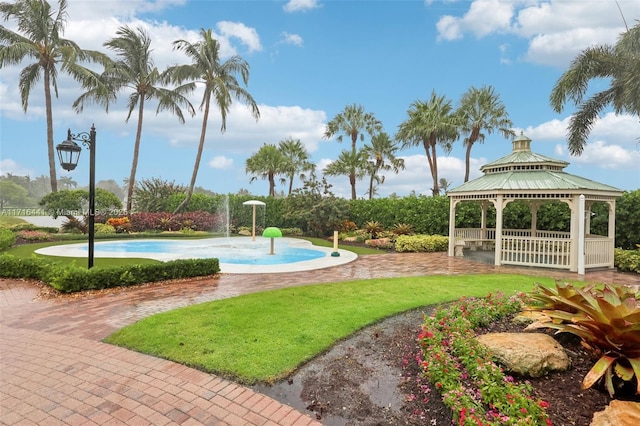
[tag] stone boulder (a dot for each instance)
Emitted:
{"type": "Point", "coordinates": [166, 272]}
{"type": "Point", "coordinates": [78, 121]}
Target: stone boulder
{"type": "Point", "coordinates": [526, 354]}
{"type": "Point", "coordinates": [618, 413]}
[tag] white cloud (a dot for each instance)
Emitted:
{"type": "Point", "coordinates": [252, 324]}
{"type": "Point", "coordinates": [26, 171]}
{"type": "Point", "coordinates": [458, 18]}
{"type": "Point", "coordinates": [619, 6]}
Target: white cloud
{"type": "Point", "coordinates": [602, 155]}
{"type": "Point", "coordinates": [294, 39]}
{"type": "Point", "coordinates": [7, 165]}
{"type": "Point", "coordinates": [556, 30]}
{"type": "Point", "coordinates": [221, 162]}
{"type": "Point", "coordinates": [615, 129]}
{"type": "Point", "coordinates": [300, 5]}
{"type": "Point", "coordinates": [248, 36]}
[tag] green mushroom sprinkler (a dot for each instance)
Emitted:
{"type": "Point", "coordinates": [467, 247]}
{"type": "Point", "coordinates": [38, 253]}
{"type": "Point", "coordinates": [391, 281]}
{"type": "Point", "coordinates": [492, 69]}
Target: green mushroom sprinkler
{"type": "Point", "coordinates": [272, 232]}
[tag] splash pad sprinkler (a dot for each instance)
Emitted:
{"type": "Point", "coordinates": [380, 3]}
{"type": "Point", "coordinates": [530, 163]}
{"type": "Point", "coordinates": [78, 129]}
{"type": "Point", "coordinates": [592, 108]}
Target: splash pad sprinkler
{"type": "Point", "coordinates": [272, 232]}
{"type": "Point", "coordinates": [254, 203]}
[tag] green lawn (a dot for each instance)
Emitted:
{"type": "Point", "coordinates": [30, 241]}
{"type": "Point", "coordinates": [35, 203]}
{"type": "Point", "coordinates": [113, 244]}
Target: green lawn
{"type": "Point", "coordinates": [264, 336]}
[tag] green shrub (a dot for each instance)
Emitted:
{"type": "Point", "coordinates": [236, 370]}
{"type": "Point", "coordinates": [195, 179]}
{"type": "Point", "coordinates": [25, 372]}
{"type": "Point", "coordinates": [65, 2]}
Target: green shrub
{"type": "Point", "coordinates": [71, 278]}
{"type": "Point", "coordinates": [627, 260]}
{"type": "Point", "coordinates": [291, 232]}
{"type": "Point", "coordinates": [34, 236]}
{"type": "Point", "coordinates": [104, 229]}
{"type": "Point", "coordinates": [32, 227]}
{"type": "Point", "coordinates": [421, 243]}
{"type": "Point", "coordinates": [7, 238]}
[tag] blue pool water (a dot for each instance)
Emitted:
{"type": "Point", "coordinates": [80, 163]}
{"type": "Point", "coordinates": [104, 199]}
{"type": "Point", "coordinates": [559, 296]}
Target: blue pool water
{"type": "Point", "coordinates": [241, 251]}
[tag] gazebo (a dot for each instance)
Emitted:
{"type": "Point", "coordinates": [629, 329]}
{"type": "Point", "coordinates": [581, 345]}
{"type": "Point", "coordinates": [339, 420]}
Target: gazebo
{"type": "Point", "coordinates": [535, 179]}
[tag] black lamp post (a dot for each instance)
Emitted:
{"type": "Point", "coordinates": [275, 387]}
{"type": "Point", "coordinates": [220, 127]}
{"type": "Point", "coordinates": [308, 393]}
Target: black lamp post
{"type": "Point", "coordinates": [68, 154]}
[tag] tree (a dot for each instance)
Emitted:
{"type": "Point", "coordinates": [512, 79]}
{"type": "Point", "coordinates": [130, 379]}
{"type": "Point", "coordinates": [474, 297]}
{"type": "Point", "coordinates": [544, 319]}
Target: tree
{"type": "Point", "coordinates": [39, 37]}
{"type": "Point", "coordinates": [267, 163]}
{"type": "Point", "coordinates": [220, 83]}
{"type": "Point", "coordinates": [154, 195]}
{"type": "Point", "coordinates": [12, 194]}
{"type": "Point", "coordinates": [297, 159]}
{"type": "Point", "coordinates": [111, 186]}
{"type": "Point", "coordinates": [135, 70]}
{"type": "Point", "coordinates": [64, 203]}
{"type": "Point", "coordinates": [66, 182]}
{"type": "Point", "coordinates": [381, 155]}
{"type": "Point", "coordinates": [349, 164]}
{"type": "Point", "coordinates": [480, 111]}
{"type": "Point", "coordinates": [444, 184]}
{"type": "Point", "coordinates": [351, 122]}
{"type": "Point", "coordinates": [619, 64]}
{"type": "Point", "coordinates": [430, 123]}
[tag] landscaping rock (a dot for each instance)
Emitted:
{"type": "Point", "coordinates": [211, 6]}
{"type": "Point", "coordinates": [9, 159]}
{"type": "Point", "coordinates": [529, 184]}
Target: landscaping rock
{"type": "Point", "coordinates": [618, 413]}
{"type": "Point", "coordinates": [527, 354]}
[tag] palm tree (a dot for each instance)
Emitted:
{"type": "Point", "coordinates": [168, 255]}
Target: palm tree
{"type": "Point", "coordinates": [350, 164]}
{"type": "Point", "coordinates": [620, 65]}
{"type": "Point", "coordinates": [297, 160]}
{"type": "Point", "coordinates": [430, 123]}
{"type": "Point", "coordinates": [351, 122]}
{"type": "Point", "coordinates": [38, 37]}
{"type": "Point", "coordinates": [135, 70]}
{"type": "Point", "coordinates": [481, 110]}
{"type": "Point", "coordinates": [381, 155]}
{"type": "Point", "coordinates": [220, 83]}
{"type": "Point", "coordinates": [267, 163]}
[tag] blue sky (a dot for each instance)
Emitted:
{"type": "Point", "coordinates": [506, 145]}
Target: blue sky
{"type": "Point", "coordinates": [311, 58]}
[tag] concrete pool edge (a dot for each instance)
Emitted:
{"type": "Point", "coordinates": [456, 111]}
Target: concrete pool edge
{"type": "Point", "coordinates": [346, 256]}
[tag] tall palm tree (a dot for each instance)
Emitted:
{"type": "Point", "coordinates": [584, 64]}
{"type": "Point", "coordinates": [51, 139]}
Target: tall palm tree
{"type": "Point", "coordinates": [267, 163]}
{"type": "Point", "coordinates": [381, 155]}
{"type": "Point", "coordinates": [481, 110]}
{"type": "Point", "coordinates": [619, 64]}
{"type": "Point", "coordinates": [430, 124]}
{"type": "Point", "coordinates": [220, 83]}
{"type": "Point", "coordinates": [352, 122]}
{"type": "Point", "coordinates": [134, 70]}
{"type": "Point", "coordinates": [350, 164]}
{"type": "Point", "coordinates": [297, 160]}
{"type": "Point", "coordinates": [39, 38]}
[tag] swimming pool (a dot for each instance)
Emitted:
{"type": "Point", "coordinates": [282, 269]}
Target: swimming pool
{"type": "Point", "coordinates": [236, 255]}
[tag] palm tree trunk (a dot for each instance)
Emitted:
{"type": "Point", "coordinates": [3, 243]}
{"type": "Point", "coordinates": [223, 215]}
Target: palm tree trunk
{"type": "Point", "coordinates": [373, 176]}
{"type": "Point", "coordinates": [272, 185]}
{"type": "Point", "coordinates": [49, 113]}
{"type": "Point", "coordinates": [467, 160]}
{"type": "Point", "coordinates": [136, 152]}
{"type": "Point", "coordinates": [432, 166]}
{"type": "Point", "coordinates": [352, 181]}
{"type": "Point", "coordinates": [436, 184]}
{"type": "Point", "coordinates": [291, 184]}
{"type": "Point", "coordinates": [196, 166]}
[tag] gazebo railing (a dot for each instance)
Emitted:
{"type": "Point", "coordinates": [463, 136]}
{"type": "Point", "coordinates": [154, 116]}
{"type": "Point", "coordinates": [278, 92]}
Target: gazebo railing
{"type": "Point", "coordinates": [490, 233]}
{"type": "Point", "coordinates": [598, 251]}
{"type": "Point", "coordinates": [536, 251]}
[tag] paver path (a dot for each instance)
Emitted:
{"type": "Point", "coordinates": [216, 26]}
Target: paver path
{"type": "Point", "coordinates": [54, 369]}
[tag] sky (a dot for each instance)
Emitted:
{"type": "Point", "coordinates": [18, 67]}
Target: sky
{"type": "Point", "coordinates": [308, 60]}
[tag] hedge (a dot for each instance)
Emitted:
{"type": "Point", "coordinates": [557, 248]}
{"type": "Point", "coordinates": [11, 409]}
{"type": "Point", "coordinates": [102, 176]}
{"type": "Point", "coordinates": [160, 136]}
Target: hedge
{"type": "Point", "coordinates": [421, 243]}
{"type": "Point", "coordinates": [72, 278]}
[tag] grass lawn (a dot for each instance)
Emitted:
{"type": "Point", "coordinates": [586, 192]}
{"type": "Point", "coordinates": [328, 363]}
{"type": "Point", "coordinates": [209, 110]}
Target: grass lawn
{"type": "Point", "coordinates": [264, 336]}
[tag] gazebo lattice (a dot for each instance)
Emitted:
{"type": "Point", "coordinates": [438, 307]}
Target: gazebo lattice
{"type": "Point", "coordinates": [535, 179]}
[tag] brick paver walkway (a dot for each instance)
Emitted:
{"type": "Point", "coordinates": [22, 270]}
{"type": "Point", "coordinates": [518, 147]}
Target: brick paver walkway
{"type": "Point", "coordinates": [54, 369]}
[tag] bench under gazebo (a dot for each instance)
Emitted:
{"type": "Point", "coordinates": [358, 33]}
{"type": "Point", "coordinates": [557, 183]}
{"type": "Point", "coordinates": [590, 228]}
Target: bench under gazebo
{"type": "Point", "coordinates": [535, 180]}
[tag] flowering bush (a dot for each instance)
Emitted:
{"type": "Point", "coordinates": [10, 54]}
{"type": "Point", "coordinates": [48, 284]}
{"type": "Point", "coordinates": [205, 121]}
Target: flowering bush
{"type": "Point", "coordinates": [33, 235]}
{"type": "Point", "coordinates": [120, 224]}
{"type": "Point", "coordinates": [471, 384]}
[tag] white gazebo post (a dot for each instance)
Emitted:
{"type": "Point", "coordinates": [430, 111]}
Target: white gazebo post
{"type": "Point", "coordinates": [581, 227]}
{"type": "Point", "coordinates": [499, 206]}
{"type": "Point", "coordinates": [452, 225]}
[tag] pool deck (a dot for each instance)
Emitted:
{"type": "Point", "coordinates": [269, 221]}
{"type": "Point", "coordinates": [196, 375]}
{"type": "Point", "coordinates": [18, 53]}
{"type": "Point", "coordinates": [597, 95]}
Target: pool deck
{"type": "Point", "coordinates": [54, 370]}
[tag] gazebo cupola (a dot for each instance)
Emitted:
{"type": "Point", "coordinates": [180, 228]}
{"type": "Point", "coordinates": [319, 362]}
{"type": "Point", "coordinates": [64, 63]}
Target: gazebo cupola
{"type": "Point", "coordinates": [536, 179]}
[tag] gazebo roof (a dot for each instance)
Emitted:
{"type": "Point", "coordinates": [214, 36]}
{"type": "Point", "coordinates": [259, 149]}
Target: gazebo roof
{"type": "Point", "coordinates": [523, 170]}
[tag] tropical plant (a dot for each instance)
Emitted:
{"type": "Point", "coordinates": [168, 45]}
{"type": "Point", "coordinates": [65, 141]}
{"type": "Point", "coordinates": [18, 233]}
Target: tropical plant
{"type": "Point", "coordinates": [220, 83]}
{"type": "Point", "coordinates": [267, 163]}
{"type": "Point", "coordinates": [381, 155]}
{"type": "Point", "coordinates": [135, 70]}
{"type": "Point", "coordinates": [349, 164]}
{"type": "Point", "coordinates": [480, 111]}
{"type": "Point", "coordinates": [351, 122]}
{"type": "Point", "coordinates": [619, 65]}
{"type": "Point", "coordinates": [39, 37]}
{"type": "Point", "coordinates": [373, 228]}
{"type": "Point", "coordinates": [297, 159]}
{"type": "Point", "coordinates": [606, 318]}
{"type": "Point", "coordinates": [402, 229]}
{"type": "Point", "coordinates": [430, 124]}
{"type": "Point", "coordinates": [154, 195]}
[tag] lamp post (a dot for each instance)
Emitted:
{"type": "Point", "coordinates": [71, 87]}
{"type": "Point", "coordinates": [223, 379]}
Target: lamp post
{"type": "Point", "coordinates": [68, 154]}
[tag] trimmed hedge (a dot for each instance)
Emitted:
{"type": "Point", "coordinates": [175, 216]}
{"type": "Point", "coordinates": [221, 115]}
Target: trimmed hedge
{"type": "Point", "coordinates": [421, 243]}
{"type": "Point", "coordinates": [71, 278]}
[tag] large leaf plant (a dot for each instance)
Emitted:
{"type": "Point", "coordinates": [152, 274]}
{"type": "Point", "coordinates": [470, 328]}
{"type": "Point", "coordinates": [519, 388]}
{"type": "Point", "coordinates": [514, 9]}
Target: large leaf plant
{"type": "Point", "coordinates": [606, 318]}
